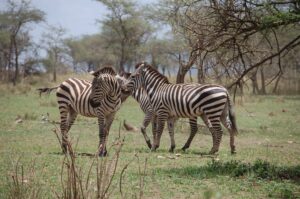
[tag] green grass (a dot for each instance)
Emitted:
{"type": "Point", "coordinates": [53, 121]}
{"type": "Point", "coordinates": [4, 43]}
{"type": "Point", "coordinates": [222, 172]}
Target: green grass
{"type": "Point", "coordinates": [266, 164]}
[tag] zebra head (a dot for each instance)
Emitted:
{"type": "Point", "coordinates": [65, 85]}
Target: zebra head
{"type": "Point", "coordinates": [121, 79]}
{"type": "Point", "coordinates": [134, 81]}
{"type": "Point", "coordinates": [100, 88]}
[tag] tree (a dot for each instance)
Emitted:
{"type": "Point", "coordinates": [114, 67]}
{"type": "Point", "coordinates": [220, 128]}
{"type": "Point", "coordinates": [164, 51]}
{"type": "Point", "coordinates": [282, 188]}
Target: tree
{"type": "Point", "coordinates": [53, 43]}
{"type": "Point", "coordinates": [89, 52]}
{"type": "Point", "coordinates": [14, 35]}
{"type": "Point", "coordinates": [124, 30]}
{"type": "Point", "coordinates": [232, 34]}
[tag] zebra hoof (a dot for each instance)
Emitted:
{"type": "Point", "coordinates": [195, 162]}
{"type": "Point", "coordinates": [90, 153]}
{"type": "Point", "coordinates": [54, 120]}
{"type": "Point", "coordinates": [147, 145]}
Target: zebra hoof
{"type": "Point", "coordinates": [184, 148]}
{"type": "Point", "coordinates": [233, 151]}
{"type": "Point", "coordinates": [149, 144]}
{"type": "Point", "coordinates": [213, 151]}
{"type": "Point", "coordinates": [154, 147]}
{"type": "Point", "coordinates": [171, 150]}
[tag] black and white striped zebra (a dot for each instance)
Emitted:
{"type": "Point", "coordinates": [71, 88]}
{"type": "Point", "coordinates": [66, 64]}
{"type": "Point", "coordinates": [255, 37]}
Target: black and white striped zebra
{"type": "Point", "coordinates": [73, 98]}
{"type": "Point", "coordinates": [210, 102]}
{"type": "Point", "coordinates": [142, 98]}
{"type": "Point", "coordinates": [105, 98]}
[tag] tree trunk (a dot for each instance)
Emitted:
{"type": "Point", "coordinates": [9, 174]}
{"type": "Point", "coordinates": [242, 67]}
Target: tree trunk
{"type": "Point", "coordinates": [275, 89]}
{"type": "Point", "coordinates": [54, 67]}
{"type": "Point", "coordinates": [9, 68]}
{"type": "Point", "coordinates": [191, 78]}
{"type": "Point", "coordinates": [263, 85]}
{"type": "Point", "coordinates": [153, 62]}
{"type": "Point", "coordinates": [122, 59]}
{"type": "Point", "coordinates": [200, 73]}
{"type": "Point", "coordinates": [164, 70]}
{"type": "Point", "coordinates": [16, 75]}
{"type": "Point", "coordinates": [254, 83]}
{"type": "Point", "coordinates": [181, 74]}
{"type": "Point", "coordinates": [241, 86]}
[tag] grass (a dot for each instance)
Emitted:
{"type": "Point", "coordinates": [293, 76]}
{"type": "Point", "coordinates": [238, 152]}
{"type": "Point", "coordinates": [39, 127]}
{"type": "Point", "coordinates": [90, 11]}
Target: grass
{"type": "Point", "coordinates": [266, 164]}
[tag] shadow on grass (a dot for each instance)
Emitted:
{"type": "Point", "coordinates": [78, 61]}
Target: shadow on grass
{"type": "Point", "coordinates": [292, 97]}
{"type": "Point", "coordinates": [166, 151]}
{"type": "Point", "coordinates": [77, 154]}
{"type": "Point", "coordinates": [259, 169]}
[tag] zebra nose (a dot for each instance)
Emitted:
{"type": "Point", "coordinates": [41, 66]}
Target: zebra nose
{"type": "Point", "coordinates": [94, 104]}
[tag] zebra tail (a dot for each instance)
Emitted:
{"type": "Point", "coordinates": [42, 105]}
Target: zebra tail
{"type": "Point", "coordinates": [232, 115]}
{"type": "Point", "coordinates": [46, 90]}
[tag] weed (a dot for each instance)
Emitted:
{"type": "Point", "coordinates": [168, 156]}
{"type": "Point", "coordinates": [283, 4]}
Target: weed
{"type": "Point", "coordinates": [22, 183]}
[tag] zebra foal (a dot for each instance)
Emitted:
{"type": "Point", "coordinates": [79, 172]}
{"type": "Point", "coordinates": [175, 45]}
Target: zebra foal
{"type": "Point", "coordinates": [210, 102]}
{"type": "Point", "coordinates": [74, 97]}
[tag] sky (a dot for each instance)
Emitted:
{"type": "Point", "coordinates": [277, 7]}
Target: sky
{"type": "Point", "coordinates": [78, 17]}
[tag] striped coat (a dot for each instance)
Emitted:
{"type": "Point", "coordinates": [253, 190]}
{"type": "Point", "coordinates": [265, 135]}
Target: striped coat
{"type": "Point", "coordinates": [142, 98]}
{"type": "Point", "coordinates": [210, 102]}
{"type": "Point", "coordinates": [73, 98]}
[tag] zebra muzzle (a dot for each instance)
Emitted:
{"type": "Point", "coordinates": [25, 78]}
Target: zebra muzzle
{"type": "Point", "coordinates": [94, 104]}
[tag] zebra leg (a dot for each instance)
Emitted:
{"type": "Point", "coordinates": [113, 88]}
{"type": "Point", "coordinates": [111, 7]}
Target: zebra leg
{"type": "Point", "coordinates": [228, 125]}
{"type": "Point", "coordinates": [160, 127]}
{"type": "Point", "coordinates": [216, 131]}
{"type": "Point", "coordinates": [102, 135]}
{"type": "Point", "coordinates": [64, 126]}
{"type": "Point", "coordinates": [154, 129]}
{"type": "Point", "coordinates": [109, 120]}
{"type": "Point", "coordinates": [71, 118]}
{"type": "Point", "coordinates": [194, 129]}
{"type": "Point", "coordinates": [171, 123]}
{"type": "Point", "coordinates": [146, 122]}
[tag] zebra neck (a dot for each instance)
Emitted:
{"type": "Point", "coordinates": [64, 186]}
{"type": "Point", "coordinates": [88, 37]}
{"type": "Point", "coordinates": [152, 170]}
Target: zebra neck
{"type": "Point", "coordinates": [152, 87]}
{"type": "Point", "coordinates": [136, 94]}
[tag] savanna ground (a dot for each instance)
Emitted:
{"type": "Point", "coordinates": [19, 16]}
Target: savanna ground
{"type": "Point", "coordinates": [266, 164]}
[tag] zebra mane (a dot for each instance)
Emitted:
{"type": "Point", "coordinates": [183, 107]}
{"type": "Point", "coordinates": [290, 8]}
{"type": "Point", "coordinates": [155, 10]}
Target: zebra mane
{"type": "Point", "coordinates": [144, 66]}
{"type": "Point", "coordinates": [105, 70]}
{"type": "Point", "coordinates": [125, 75]}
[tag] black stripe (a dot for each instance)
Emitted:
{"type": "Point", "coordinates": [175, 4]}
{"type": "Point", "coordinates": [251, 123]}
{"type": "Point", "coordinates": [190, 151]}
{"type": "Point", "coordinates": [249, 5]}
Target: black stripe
{"type": "Point", "coordinates": [213, 100]}
{"type": "Point", "coordinates": [214, 106]}
{"type": "Point", "coordinates": [206, 94]}
{"type": "Point", "coordinates": [62, 96]}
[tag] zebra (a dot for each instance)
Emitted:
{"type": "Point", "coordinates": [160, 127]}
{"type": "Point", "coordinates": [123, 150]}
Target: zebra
{"type": "Point", "coordinates": [211, 102]}
{"type": "Point", "coordinates": [74, 97]}
{"type": "Point", "coordinates": [142, 98]}
{"type": "Point", "coordinates": [105, 98]}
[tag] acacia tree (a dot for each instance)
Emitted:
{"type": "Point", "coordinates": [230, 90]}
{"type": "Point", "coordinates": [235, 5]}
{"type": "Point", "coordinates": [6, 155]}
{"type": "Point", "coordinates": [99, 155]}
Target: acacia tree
{"type": "Point", "coordinates": [53, 43]}
{"type": "Point", "coordinates": [89, 52]}
{"type": "Point", "coordinates": [239, 36]}
{"type": "Point", "coordinates": [124, 30]}
{"type": "Point", "coordinates": [14, 33]}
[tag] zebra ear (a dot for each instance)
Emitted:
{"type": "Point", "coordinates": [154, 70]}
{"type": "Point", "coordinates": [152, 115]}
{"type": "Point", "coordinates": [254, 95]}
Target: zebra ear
{"type": "Point", "coordinates": [103, 79]}
{"type": "Point", "coordinates": [93, 73]}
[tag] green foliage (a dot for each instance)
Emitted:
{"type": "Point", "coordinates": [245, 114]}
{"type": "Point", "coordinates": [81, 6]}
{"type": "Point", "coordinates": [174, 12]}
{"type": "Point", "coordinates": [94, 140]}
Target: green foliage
{"type": "Point", "coordinates": [279, 19]}
{"type": "Point", "coordinates": [124, 30]}
{"type": "Point", "coordinates": [260, 169]}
